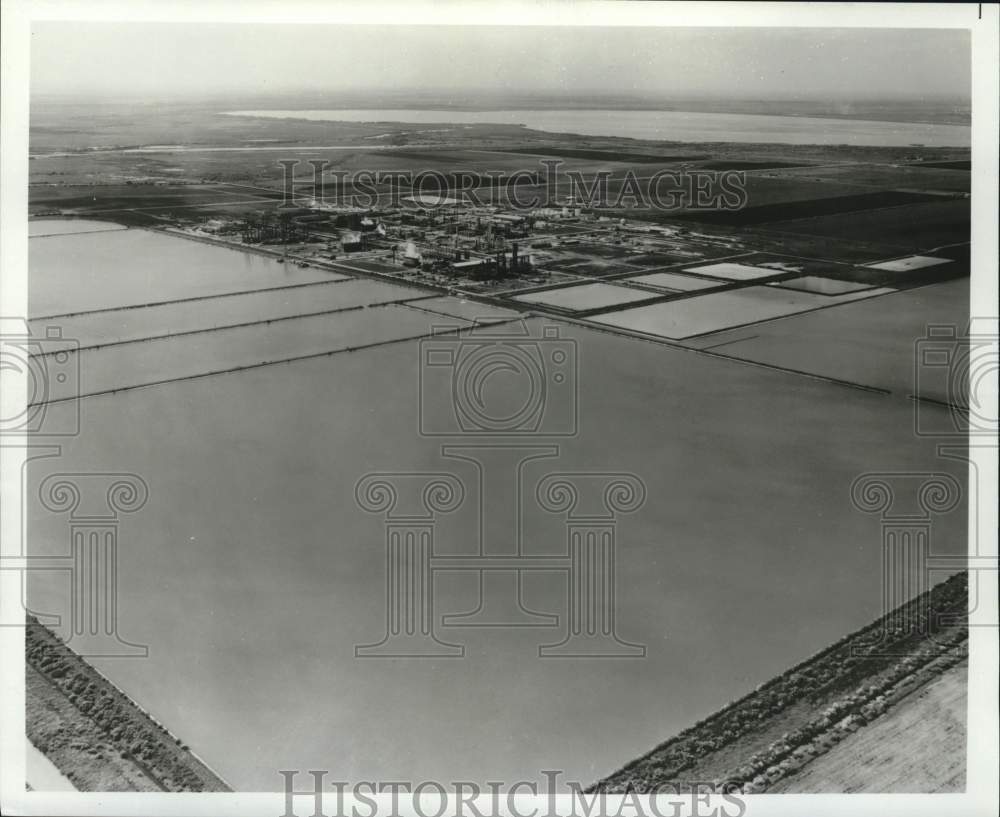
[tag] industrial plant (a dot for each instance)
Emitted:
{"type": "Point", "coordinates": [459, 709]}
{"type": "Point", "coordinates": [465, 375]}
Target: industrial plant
{"type": "Point", "coordinates": [459, 242]}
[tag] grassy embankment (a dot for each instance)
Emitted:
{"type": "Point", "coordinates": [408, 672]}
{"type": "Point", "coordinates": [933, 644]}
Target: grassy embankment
{"type": "Point", "coordinates": [94, 733]}
{"type": "Point", "coordinates": [917, 746]}
{"type": "Point", "coordinates": [773, 733]}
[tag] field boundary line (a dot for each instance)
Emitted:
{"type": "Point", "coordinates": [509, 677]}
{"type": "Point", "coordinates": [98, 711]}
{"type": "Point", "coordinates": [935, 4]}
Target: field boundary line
{"type": "Point", "coordinates": [241, 325]}
{"type": "Point", "coordinates": [262, 364]}
{"type": "Point", "coordinates": [188, 300]}
{"type": "Point", "coordinates": [117, 229]}
{"type": "Point", "coordinates": [632, 334]}
{"type": "Point", "coordinates": [818, 308]}
{"type": "Point", "coordinates": [484, 321]}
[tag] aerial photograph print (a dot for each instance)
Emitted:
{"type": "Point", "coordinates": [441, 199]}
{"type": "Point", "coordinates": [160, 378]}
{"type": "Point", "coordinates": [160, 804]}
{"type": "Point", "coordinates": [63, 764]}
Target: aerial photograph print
{"type": "Point", "coordinates": [445, 412]}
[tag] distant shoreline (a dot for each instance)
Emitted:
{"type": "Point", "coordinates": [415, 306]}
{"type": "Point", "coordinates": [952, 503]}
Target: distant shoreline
{"type": "Point", "coordinates": [647, 124]}
{"type": "Point", "coordinates": [963, 120]}
{"type": "Point", "coordinates": [925, 111]}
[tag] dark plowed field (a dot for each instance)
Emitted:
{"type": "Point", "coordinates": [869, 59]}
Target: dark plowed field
{"type": "Point", "coordinates": [917, 227]}
{"type": "Point", "coordinates": [784, 211]}
{"type": "Point", "coordinates": [962, 164]}
{"type": "Point", "coordinates": [606, 155]}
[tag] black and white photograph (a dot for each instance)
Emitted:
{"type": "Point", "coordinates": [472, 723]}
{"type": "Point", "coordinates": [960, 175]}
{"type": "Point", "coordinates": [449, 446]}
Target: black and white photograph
{"type": "Point", "coordinates": [531, 409]}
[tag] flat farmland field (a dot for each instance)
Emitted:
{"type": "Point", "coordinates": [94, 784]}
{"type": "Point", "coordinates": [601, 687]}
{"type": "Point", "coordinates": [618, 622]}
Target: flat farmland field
{"type": "Point", "coordinates": [738, 164]}
{"type": "Point", "coordinates": [915, 227]}
{"type": "Point", "coordinates": [809, 208]}
{"type": "Point", "coordinates": [147, 196]}
{"type": "Point", "coordinates": [602, 251]}
{"type": "Point", "coordinates": [761, 190]}
{"type": "Point", "coordinates": [770, 191]}
{"type": "Point", "coordinates": [958, 164]}
{"type": "Point", "coordinates": [448, 158]}
{"type": "Point", "coordinates": [607, 155]}
{"type": "Point", "coordinates": [931, 176]}
{"type": "Point", "coordinates": [819, 250]}
{"type": "Point", "coordinates": [775, 189]}
{"type": "Point", "coordinates": [104, 167]}
{"type": "Point", "coordinates": [146, 204]}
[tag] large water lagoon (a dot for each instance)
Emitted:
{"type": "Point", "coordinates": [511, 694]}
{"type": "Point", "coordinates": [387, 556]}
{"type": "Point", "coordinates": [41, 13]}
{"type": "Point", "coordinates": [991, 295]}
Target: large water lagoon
{"type": "Point", "coordinates": [252, 573]}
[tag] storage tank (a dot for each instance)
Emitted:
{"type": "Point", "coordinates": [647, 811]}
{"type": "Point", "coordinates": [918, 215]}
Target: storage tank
{"type": "Point", "coordinates": [350, 241]}
{"type": "Point", "coordinates": [411, 255]}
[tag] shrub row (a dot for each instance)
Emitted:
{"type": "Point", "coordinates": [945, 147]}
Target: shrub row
{"type": "Point", "coordinates": [129, 730]}
{"type": "Point", "coordinates": [846, 716]}
{"type": "Point", "coordinates": [842, 665]}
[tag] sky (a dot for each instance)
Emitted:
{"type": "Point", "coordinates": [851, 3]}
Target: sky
{"type": "Point", "coordinates": [187, 60]}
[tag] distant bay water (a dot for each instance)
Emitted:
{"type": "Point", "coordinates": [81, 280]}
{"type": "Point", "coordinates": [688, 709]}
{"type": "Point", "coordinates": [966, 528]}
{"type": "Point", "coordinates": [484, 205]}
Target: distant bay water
{"type": "Point", "coordinates": [677, 126]}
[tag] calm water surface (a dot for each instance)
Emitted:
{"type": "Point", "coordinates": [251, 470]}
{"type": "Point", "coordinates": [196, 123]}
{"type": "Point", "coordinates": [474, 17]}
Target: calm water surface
{"type": "Point", "coordinates": [106, 269]}
{"type": "Point", "coordinates": [252, 573]}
